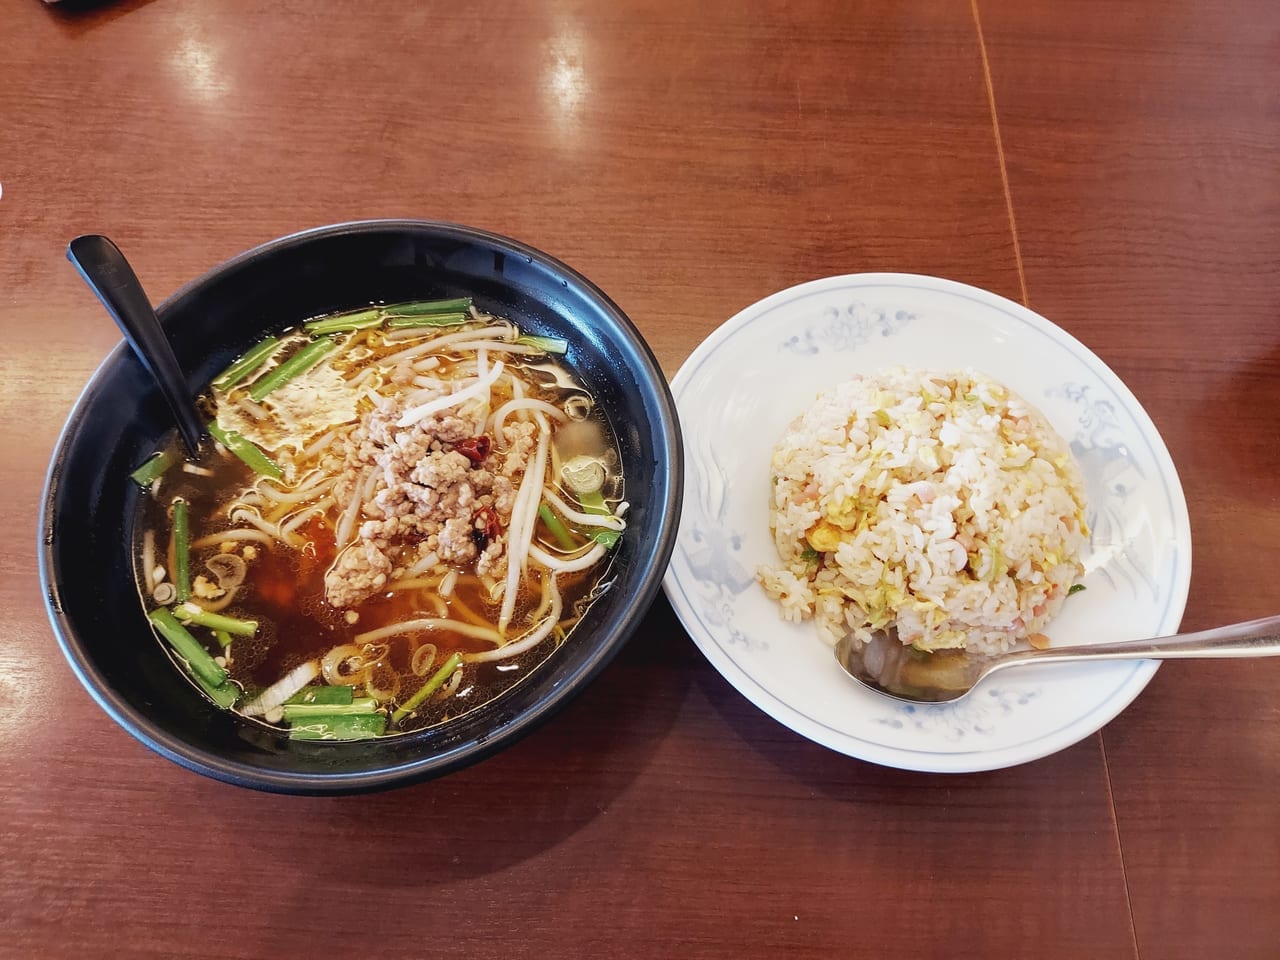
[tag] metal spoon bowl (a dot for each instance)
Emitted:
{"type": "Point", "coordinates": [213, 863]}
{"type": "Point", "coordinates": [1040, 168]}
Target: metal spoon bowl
{"type": "Point", "coordinates": [889, 667]}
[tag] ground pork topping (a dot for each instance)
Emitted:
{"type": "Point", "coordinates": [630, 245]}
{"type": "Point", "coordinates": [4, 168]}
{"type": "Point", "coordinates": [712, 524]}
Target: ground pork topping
{"type": "Point", "coordinates": [440, 487]}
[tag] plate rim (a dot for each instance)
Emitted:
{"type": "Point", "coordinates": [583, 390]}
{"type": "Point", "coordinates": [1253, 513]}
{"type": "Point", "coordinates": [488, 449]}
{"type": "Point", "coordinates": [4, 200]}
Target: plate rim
{"type": "Point", "coordinates": [1079, 728]}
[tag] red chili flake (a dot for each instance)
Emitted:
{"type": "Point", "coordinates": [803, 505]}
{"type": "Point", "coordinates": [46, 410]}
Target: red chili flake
{"type": "Point", "coordinates": [474, 449]}
{"type": "Point", "coordinates": [485, 527]}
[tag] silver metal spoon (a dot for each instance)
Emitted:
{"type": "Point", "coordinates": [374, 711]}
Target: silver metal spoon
{"type": "Point", "coordinates": [887, 666]}
{"type": "Point", "coordinates": [109, 275]}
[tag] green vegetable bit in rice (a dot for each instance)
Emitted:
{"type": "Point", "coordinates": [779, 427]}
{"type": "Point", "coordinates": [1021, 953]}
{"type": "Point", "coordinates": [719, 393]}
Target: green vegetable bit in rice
{"type": "Point", "coordinates": [939, 504]}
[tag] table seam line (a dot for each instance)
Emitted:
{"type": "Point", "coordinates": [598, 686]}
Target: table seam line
{"type": "Point", "coordinates": [1115, 826]}
{"type": "Point", "coordinates": [1000, 157]}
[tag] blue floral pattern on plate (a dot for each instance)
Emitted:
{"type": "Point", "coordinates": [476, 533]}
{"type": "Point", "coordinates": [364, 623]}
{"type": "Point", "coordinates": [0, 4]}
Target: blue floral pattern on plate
{"type": "Point", "coordinates": [714, 552]}
{"type": "Point", "coordinates": [979, 715]}
{"type": "Point", "coordinates": [847, 328]}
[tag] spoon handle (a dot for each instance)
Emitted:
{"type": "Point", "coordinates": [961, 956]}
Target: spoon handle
{"type": "Point", "coordinates": [1253, 638]}
{"type": "Point", "coordinates": [109, 275]}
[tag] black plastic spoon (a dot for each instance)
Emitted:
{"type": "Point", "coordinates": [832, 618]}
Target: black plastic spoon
{"type": "Point", "coordinates": [109, 275]}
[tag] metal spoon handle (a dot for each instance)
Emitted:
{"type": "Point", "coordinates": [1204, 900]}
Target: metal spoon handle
{"type": "Point", "coordinates": [1253, 638]}
{"type": "Point", "coordinates": [109, 275]}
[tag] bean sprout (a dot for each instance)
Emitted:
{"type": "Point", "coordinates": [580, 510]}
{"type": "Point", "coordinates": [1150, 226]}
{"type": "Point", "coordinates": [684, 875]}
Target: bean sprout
{"type": "Point", "coordinates": [585, 562]}
{"type": "Point", "coordinates": [477, 389]}
{"type": "Point", "coordinates": [520, 532]}
{"type": "Point", "coordinates": [579, 517]}
{"type": "Point", "coordinates": [429, 624]}
{"type": "Point", "coordinates": [225, 536]}
{"type": "Point", "coordinates": [529, 640]}
{"type": "Point", "coordinates": [499, 418]}
{"type": "Point", "coordinates": [149, 559]}
{"type": "Point", "coordinates": [266, 489]}
{"type": "Point", "coordinates": [305, 515]}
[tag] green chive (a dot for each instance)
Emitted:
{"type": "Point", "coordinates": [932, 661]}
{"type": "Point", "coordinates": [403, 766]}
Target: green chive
{"type": "Point", "coordinates": [181, 551]}
{"type": "Point", "coordinates": [432, 320]}
{"type": "Point", "coordinates": [547, 344]}
{"type": "Point", "coordinates": [556, 526]}
{"type": "Point", "coordinates": [1076, 588]}
{"type": "Point", "coordinates": [246, 451]}
{"type": "Point", "coordinates": [420, 308]}
{"type": "Point", "coordinates": [298, 364]}
{"type": "Point", "coordinates": [153, 468]}
{"type": "Point", "coordinates": [191, 613]}
{"type": "Point", "coordinates": [427, 689]}
{"type": "Point", "coordinates": [325, 694]}
{"type": "Point", "coordinates": [255, 357]}
{"type": "Point", "coordinates": [593, 502]}
{"type": "Point", "coordinates": [304, 711]}
{"type": "Point", "coordinates": [188, 647]}
{"type": "Point", "coordinates": [224, 694]}
{"type": "Point", "coordinates": [360, 726]}
{"type": "Point", "coordinates": [344, 322]}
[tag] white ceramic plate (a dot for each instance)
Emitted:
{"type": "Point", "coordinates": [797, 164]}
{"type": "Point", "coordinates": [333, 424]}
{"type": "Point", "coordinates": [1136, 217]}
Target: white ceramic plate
{"type": "Point", "coordinates": [748, 380]}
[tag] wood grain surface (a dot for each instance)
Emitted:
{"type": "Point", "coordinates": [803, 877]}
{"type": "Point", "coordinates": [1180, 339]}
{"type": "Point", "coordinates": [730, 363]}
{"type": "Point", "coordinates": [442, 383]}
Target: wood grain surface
{"type": "Point", "coordinates": [1141, 147]}
{"type": "Point", "coordinates": [1114, 165]}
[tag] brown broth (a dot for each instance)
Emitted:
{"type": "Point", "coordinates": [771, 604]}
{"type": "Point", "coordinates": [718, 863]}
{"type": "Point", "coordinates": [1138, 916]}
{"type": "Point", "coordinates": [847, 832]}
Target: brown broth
{"type": "Point", "coordinates": [284, 591]}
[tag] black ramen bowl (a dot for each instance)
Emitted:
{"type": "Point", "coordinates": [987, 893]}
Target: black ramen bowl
{"type": "Point", "coordinates": [89, 502]}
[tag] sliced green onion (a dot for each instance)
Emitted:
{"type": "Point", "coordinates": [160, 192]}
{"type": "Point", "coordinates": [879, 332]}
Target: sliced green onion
{"type": "Point", "coordinates": [583, 474]}
{"type": "Point", "coordinates": [427, 689]}
{"type": "Point", "coordinates": [556, 526]}
{"type": "Point", "coordinates": [431, 320]}
{"type": "Point", "coordinates": [223, 638]}
{"type": "Point", "coordinates": [344, 322]}
{"type": "Point", "coordinates": [297, 364]}
{"type": "Point", "coordinates": [325, 694]}
{"type": "Point", "coordinates": [1076, 588]}
{"type": "Point", "coordinates": [255, 357]}
{"type": "Point", "coordinates": [548, 344]}
{"type": "Point", "coordinates": [154, 466]}
{"type": "Point", "coordinates": [593, 502]}
{"type": "Point", "coordinates": [192, 613]}
{"type": "Point", "coordinates": [246, 451]}
{"type": "Point", "coordinates": [303, 711]}
{"type": "Point", "coordinates": [421, 308]}
{"type": "Point", "coordinates": [360, 726]}
{"type": "Point", "coordinates": [181, 551]}
{"type": "Point", "coordinates": [188, 647]}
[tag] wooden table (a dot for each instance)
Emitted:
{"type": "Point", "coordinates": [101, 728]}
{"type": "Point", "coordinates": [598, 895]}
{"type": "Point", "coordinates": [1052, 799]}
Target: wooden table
{"type": "Point", "coordinates": [1115, 166]}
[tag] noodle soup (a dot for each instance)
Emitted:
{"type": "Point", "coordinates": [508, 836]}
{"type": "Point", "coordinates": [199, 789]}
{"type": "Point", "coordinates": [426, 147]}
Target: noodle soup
{"type": "Point", "coordinates": [405, 510]}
